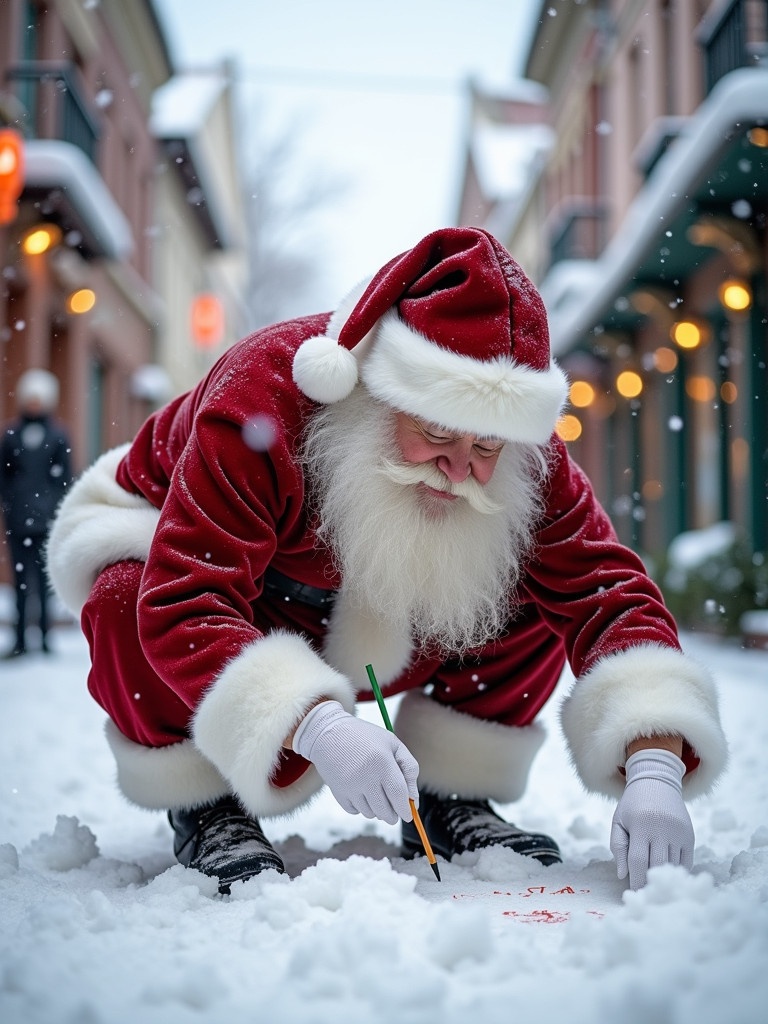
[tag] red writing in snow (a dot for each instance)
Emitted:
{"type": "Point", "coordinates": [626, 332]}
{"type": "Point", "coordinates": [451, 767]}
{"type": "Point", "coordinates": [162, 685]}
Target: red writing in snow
{"type": "Point", "coordinates": [538, 915]}
{"type": "Point", "coordinates": [532, 890]}
{"type": "Point", "coordinates": [546, 916]}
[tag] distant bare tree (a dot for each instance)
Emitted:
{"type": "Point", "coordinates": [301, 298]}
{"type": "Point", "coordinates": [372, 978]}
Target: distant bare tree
{"type": "Point", "coordinates": [283, 202]}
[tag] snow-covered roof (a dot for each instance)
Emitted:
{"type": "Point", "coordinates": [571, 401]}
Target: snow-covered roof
{"type": "Point", "coordinates": [520, 90]}
{"type": "Point", "coordinates": [181, 111]}
{"type": "Point", "coordinates": [181, 107]}
{"type": "Point", "coordinates": [502, 155]}
{"type": "Point", "coordinates": [51, 164]}
{"type": "Point", "coordinates": [739, 97]}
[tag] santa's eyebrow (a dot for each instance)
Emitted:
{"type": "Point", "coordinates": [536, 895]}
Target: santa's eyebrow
{"type": "Point", "coordinates": [436, 428]}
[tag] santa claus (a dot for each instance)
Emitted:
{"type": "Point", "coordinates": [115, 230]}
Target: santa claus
{"type": "Point", "coordinates": [379, 486]}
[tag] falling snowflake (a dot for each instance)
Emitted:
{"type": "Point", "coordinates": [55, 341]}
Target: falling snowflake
{"type": "Point", "coordinates": [259, 433]}
{"type": "Point", "coordinates": [741, 209]}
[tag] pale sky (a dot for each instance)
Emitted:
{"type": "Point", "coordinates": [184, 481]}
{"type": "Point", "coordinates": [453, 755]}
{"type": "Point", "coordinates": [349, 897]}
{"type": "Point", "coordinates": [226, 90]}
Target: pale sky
{"type": "Point", "coordinates": [374, 92]}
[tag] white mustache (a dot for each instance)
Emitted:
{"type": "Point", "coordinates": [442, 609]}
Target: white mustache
{"type": "Point", "coordinates": [409, 474]}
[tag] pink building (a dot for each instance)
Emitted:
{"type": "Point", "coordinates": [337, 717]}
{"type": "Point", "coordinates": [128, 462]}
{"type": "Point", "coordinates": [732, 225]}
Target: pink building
{"type": "Point", "coordinates": [122, 216]}
{"type": "Point", "coordinates": [644, 225]}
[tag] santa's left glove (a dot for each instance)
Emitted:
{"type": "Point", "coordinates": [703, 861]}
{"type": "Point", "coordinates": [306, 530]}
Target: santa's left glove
{"type": "Point", "coordinates": [366, 767]}
{"type": "Point", "coordinates": [651, 825]}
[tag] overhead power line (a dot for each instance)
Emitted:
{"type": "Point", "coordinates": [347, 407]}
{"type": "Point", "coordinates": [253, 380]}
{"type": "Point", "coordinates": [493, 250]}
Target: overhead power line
{"type": "Point", "coordinates": [349, 81]}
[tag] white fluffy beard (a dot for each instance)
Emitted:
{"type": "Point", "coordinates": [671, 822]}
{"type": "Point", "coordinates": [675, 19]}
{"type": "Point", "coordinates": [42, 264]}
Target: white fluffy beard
{"type": "Point", "coordinates": [444, 570]}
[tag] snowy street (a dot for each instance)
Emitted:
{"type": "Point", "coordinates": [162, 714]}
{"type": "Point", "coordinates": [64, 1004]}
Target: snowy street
{"type": "Point", "coordinates": [99, 925]}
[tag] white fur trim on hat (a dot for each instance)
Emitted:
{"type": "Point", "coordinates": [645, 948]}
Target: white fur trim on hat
{"type": "Point", "coordinates": [160, 778]}
{"type": "Point", "coordinates": [250, 708]}
{"type": "Point", "coordinates": [493, 398]}
{"type": "Point", "coordinates": [467, 756]}
{"type": "Point", "coordinates": [98, 523]}
{"type": "Point", "coordinates": [646, 690]}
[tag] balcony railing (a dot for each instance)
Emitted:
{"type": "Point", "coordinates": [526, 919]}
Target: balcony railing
{"type": "Point", "coordinates": [736, 38]}
{"type": "Point", "coordinates": [54, 104]}
{"type": "Point", "coordinates": [656, 140]}
{"type": "Point", "coordinates": [578, 233]}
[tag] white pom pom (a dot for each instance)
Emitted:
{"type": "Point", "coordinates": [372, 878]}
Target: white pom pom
{"type": "Point", "coordinates": [324, 370]}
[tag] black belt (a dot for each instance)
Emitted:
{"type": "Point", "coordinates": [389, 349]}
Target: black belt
{"type": "Point", "coordinates": [282, 586]}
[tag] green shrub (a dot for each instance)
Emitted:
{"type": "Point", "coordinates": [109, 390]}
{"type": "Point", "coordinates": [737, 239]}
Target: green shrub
{"type": "Point", "coordinates": [714, 592]}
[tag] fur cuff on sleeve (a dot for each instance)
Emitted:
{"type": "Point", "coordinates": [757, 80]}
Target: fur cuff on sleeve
{"type": "Point", "coordinates": [644, 691]}
{"type": "Point", "coordinates": [253, 705]}
{"type": "Point", "coordinates": [98, 523]}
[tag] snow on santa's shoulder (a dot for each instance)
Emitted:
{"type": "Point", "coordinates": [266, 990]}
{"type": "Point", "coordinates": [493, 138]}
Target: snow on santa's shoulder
{"type": "Point", "coordinates": [99, 924]}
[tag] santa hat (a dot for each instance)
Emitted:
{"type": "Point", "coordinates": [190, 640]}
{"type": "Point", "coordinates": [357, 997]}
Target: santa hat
{"type": "Point", "coordinates": [451, 331]}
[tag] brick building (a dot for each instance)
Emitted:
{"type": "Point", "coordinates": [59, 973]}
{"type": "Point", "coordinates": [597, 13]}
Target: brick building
{"type": "Point", "coordinates": [644, 225]}
{"type": "Point", "coordinates": [127, 212]}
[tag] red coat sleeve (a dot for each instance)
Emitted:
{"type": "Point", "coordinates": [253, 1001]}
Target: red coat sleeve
{"type": "Point", "coordinates": [227, 509]}
{"type": "Point", "coordinates": [591, 590]}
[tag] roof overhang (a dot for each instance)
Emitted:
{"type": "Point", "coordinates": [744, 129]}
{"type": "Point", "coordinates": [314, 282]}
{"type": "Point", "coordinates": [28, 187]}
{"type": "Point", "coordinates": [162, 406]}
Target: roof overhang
{"type": "Point", "coordinates": [186, 157]}
{"type": "Point", "coordinates": [710, 166]}
{"type": "Point", "coordinates": [69, 190]}
{"type": "Point", "coordinates": [182, 109]}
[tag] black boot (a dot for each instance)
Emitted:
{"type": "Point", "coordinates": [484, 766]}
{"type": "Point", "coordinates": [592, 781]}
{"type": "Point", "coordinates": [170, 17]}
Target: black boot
{"type": "Point", "coordinates": [220, 839]}
{"type": "Point", "coordinates": [454, 825]}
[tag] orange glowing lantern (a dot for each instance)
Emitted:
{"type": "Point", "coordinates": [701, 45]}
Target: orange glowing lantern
{"type": "Point", "coordinates": [207, 321]}
{"type": "Point", "coordinates": [11, 172]}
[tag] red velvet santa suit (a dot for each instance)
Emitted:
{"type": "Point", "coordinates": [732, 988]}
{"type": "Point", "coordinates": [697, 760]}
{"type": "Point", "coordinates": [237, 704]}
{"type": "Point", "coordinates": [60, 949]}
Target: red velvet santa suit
{"type": "Point", "coordinates": [163, 547]}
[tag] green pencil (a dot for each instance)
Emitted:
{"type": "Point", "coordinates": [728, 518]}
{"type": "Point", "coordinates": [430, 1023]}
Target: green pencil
{"type": "Point", "coordinates": [416, 819]}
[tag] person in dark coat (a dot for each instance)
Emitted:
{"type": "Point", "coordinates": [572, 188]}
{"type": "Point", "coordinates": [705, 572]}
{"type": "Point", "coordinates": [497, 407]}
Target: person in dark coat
{"type": "Point", "coordinates": [35, 470]}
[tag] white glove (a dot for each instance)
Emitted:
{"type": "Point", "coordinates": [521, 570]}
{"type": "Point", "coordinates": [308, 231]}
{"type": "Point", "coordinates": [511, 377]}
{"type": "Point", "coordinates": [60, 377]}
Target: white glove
{"type": "Point", "coordinates": [651, 825]}
{"type": "Point", "coordinates": [366, 767]}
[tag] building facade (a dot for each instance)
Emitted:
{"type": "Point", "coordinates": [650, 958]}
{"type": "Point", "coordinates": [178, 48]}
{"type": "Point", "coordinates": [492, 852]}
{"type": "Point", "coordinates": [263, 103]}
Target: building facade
{"type": "Point", "coordinates": [121, 217]}
{"type": "Point", "coordinates": [199, 249]}
{"type": "Point", "coordinates": [645, 228]}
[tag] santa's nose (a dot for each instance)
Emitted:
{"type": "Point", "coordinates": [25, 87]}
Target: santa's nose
{"type": "Point", "coordinates": [456, 460]}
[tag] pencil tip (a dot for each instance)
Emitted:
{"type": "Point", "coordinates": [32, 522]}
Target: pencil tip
{"type": "Point", "coordinates": [437, 873]}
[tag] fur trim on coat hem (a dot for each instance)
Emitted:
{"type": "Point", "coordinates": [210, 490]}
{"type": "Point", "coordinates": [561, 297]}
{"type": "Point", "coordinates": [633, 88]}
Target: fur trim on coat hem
{"type": "Point", "coordinates": [467, 756]}
{"type": "Point", "coordinates": [646, 690]}
{"type": "Point", "coordinates": [250, 708]}
{"type": "Point", "coordinates": [159, 778]}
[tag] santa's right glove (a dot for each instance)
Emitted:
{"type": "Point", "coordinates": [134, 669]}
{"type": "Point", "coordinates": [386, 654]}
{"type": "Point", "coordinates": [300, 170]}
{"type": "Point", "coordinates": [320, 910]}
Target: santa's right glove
{"type": "Point", "coordinates": [651, 825]}
{"type": "Point", "coordinates": [366, 767]}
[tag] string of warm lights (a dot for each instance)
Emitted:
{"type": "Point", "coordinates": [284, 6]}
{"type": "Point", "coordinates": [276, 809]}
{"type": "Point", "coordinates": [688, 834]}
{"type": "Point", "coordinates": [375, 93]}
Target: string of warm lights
{"type": "Point", "coordinates": [689, 334]}
{"type": "Point", "coordinates": [39, 240]}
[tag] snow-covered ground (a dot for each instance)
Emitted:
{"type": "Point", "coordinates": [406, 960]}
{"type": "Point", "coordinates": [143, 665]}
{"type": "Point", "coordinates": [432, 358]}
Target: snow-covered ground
{"type": "Point", "coordinates": [98, 925]}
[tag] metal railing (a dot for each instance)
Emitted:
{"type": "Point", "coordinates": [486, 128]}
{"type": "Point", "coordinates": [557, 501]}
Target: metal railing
{"type": "Point", "coordinates": [54, 104]}
{"type": "Point", "coordinates": [737, 39]}
{"type": "Point", "coordinates": [579, 234]}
